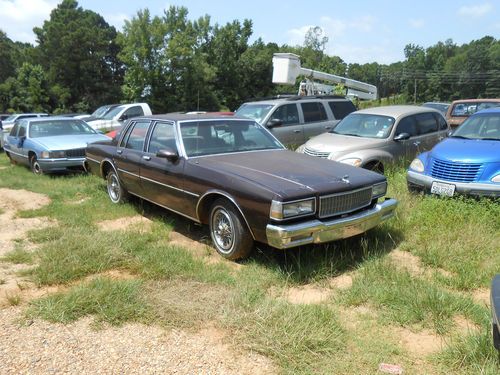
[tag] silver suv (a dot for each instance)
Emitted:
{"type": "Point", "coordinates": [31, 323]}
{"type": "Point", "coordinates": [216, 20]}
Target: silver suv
{"type": "Point", "coordinates": [372, 138]}
{"type": "Point", "coordinates": [295, 119]}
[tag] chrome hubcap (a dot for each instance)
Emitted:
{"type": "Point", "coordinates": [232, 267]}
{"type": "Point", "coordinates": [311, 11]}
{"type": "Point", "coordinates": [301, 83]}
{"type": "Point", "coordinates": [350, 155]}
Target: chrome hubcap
{"type": "Point", "coordinates": [223, 230]}
{"type": "Point", "coordinates": [114, 188]}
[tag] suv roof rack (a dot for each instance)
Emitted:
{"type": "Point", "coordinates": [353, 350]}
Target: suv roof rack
{"type": "Point", "coordinates": [298, 97]}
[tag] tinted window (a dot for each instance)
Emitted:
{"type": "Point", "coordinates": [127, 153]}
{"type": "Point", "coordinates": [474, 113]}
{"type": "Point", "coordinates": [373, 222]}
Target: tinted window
{"type": "Point", "coordinates": [22, 130]}
{"type": "Point", "coordinates": [407, 125]}
{"type": "Point", "coordinates": [313, 112]}
{"type": "Point", "coordinates": [341, 109]}
{"type": "Point", "coordinates": [163, 136]}
{"type": "Point", "coordinates": [125, 136]}
{"type": "Point", "coordinates": [13, 131]}
{"type": "Point", "coordinates": [442, 124]}
{"type": "Point", "coordinates": [288, 114]}
{"type": "Point", "coordinates": [134, 112]}
{"type": "Point", "coordinates": [426, 123]}
{"type": "Point", "coordinates": [137, 136]}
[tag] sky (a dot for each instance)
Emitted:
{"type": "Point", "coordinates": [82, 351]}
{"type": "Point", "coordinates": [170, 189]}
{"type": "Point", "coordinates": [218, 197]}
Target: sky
{"type": "Point", "coordinates": [359, 31]}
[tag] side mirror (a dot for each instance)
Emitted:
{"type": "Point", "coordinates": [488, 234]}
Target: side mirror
{"type": "Point", "coordinates": [402, 137]}
{"type": "Point", "coordinates": [123, 117]}
{"type": "Point", "coordinates": [168, 153]}
{"type": "Point", "coordinates": [450, 133]}
{"type": "Point", "coordinates": [21, 140]}
{"type": "Point", "coordinates": [275, 122]}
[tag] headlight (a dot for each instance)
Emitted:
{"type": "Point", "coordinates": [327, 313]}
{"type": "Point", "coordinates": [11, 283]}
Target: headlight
{"type": "Point", "coordinates": [379, 190]}
{"type": "Point", "coordinates": [300, 149]}
{"type": "Point", "coordinates": [57, 154]}
{"type": "Point", "coordinates": [356, 162]}
{"type": "Point", "coordinates": [496, 178]}
{"type": "Point", "coordinates": [417, 165]}
{"type": "Point", "coordinates": [280, 210]}
{"type": "Point", "coordinates": [45, 154]}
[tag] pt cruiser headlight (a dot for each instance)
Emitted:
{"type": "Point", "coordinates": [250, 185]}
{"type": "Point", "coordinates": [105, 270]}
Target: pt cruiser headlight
{"type": "Point", "coordinates": [417, 165]}
{"type": "Point", "coordinates": [281, 210]}
{"type": "Point", "coordinates": [379, 190]}
{"type": "Point", "coordinates": [356, 162]}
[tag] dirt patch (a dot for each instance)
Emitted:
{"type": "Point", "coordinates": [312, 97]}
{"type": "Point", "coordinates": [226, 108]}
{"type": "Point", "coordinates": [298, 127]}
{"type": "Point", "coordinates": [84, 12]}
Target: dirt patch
{"type": "Point", "coordinates": [306, 294]}
{"type": "Point", "coordinates": [413, 265]}
{"type": "Point", "coordinates": [419, 344]}
{"type": "Point", "coordinates": [124, 223]}
{"type": "Point", "coordinates": [341, 282]}
{"type": "Point", "coordinates": [482, 296]}
{"type": "Point", "coordinates": [13, 286]}
{"type": "Point", "coordinates": [180, 240]}
{"type": "Point", "coordinates": [464, 325]}
{"type": "Point", "coordinates": [131, 349]}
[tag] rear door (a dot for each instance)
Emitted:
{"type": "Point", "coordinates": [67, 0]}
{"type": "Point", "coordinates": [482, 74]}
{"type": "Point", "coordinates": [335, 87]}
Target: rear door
{"type": "Point", "coordinates": [128, 158]}
{"type": "Point", "coordinates": [408, 148]}
{"type": "Point", "coordinates": [291, 131]}
{"type": "Point", "coordinates": [428, 130]}
{"type": "Point", "coordinates": [163, 180]}
{"type": "Point", "coordinates": [315, 119]}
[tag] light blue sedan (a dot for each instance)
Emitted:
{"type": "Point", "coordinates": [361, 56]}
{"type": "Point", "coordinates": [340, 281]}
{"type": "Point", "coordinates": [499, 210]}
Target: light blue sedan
{"type": "Point", "coordinates": [50, 145]}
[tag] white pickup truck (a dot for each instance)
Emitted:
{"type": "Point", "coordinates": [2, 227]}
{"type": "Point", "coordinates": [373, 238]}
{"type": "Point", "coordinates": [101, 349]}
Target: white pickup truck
{"type": "Point", "coordinates": [115, 118]}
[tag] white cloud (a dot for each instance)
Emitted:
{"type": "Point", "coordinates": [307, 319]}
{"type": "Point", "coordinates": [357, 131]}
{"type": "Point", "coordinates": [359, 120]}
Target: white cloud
{"type": "Point", "coordinates": [20, 16]}
{"type": "Point", "coordinates": [475, 11]}
{"type": "Point", "coordinates": [296, 36]}
{"type": "Point", "coordinates": [417, 23]}
{"type": "Point", "coordinates": [365, 54]}
{"type": "Point", "coordinates": [117, 20]}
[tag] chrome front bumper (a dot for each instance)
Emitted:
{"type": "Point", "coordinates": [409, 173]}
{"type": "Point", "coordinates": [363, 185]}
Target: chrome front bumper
{"type": "Point", "coordinates": [424, 182]}
{"type": "Point", "coordinates": [317, 231]}
{"type": "Point", "coordinates": [49, 165]}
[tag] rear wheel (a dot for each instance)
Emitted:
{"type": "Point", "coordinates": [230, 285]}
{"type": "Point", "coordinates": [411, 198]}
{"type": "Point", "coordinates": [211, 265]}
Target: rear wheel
{"type": "Point", "coordinates": [229, 232]}
{"type": "Point", "coordinates": [35, 166]}
{"type": "Point", "coordinates": [116, 192]}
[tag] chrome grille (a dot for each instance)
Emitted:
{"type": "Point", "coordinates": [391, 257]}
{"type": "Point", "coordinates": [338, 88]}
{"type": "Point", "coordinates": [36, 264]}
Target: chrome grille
{"type": "Point", "coordinates": [319, 154]}
{"type": "Point", "coordinates": [76, 153]}
{"type": "Point", "coordinates": [458, 172]}
{"type": "Point", "coordinates": [342, 203]}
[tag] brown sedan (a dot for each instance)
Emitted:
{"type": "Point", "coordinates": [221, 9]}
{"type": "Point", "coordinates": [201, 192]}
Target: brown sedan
{"type": "Point", "coordinates": [233, 175]}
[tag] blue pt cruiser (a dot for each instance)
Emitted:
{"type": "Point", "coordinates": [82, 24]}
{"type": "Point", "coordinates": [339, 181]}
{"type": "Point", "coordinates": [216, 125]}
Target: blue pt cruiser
{"type": "Point", "coordinates": [468, 162]}
{"type": "Point", "coordinates": [52, 144]}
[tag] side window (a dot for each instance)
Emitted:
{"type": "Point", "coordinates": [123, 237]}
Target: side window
{"type": "Point", "coordinates": [313, 112]}
{"type": "Point", "coordinates": [22, 130]}
{"type": "Point", "coordinates": [426, 123]}
{"type": "Point", "coordinates": [407, 125]}
{"type": "Point", "coordinates": [287, 113]}
{"type": "Point", "coordinates": [442, 124]}
{"type": "Point", "coordinates": [341, 109]}
{"type": "Point", "coordinates": [137, 136]}
{"type": "Point", "coordinates": [13, 131]}
{"type": "Point", "coordinates": [163, 136]}
{"type": "Point", "coordinates": [125, 136]}
{"type": "Point", "coordinates": [133, 112]}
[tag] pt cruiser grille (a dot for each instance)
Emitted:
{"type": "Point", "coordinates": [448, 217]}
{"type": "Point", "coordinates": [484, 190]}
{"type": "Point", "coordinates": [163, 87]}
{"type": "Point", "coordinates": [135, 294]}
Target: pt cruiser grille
{"type": "Point", "coordinates": [319, 154]}
{"type": "Point", "coordinates": [342, 203]}
{"type": "Point", "coordinates": [77, 153]}
{"type": "Point", "coordinates": [458, 172]}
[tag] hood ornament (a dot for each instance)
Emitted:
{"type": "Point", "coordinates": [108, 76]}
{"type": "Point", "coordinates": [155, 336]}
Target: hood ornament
{"type": "Point", "coordinates": [345, 179]}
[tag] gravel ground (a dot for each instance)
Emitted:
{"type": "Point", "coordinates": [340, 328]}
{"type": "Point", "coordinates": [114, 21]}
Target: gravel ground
{"type": "Point", "coordinates": [46, 348]}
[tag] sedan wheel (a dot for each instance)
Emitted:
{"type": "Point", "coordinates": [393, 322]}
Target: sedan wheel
{"type": "Point", "coordinates": [115, 190]}
{"type": "Point", "coordinates": [229, 232]}
{"type": "Point", "coordinates": [35, 166]}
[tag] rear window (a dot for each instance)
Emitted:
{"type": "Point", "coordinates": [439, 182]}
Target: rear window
{"type": "Point", "coordinates": [341, 109]}
{"type": "Point", "coordinates": [467, 109]}
{"type": "Point", "coordinates": [313, 112]}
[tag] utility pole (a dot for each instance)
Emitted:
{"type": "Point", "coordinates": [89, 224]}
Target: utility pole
{"type": "Point", "coordinates": [415, 93]}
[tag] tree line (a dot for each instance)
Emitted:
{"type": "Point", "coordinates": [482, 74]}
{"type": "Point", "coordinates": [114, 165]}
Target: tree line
{"type": "Point", "coordinates": [176, 64]}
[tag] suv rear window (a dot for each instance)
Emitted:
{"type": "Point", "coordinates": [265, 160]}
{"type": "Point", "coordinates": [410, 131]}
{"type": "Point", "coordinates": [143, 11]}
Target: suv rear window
{"type": "Point", "coordinates": [313, 112]}
{"type": "Point", "coordinates": [341, 109]}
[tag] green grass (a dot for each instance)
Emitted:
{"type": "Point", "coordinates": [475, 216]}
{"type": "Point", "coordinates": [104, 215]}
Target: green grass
{"type": "Point", "coordinates": [455, 239]}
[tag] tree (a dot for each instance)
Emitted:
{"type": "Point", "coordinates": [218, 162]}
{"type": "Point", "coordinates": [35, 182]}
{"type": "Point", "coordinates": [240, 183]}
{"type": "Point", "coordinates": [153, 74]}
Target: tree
{"type": "Point", "coordinates": [7, 68]}
{"type": "Point", "coordinates": [79, 53]}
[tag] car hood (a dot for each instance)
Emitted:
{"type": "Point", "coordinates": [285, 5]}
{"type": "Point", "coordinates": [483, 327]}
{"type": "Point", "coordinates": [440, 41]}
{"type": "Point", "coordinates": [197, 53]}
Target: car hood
{"type": "Point", "coordinates": [467, 150]}
{"type": "Point", "coordinates": [289, 174]}
{"type": "Point", "coordinates": [69, 142]}
{"type": "Point", "coordinates": [329, 142]}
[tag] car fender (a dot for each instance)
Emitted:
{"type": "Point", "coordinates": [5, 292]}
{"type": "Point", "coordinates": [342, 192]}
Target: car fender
{"type": "Point", "coordinates": [368, 156]}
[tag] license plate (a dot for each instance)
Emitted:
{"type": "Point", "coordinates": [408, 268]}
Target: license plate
{"type": "Point", "coordinates": [441, 188]}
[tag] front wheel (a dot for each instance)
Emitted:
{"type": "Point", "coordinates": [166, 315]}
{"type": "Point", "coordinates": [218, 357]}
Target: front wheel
{"type": "Point", "coordinates": [36, 168]}
{"type": "Point", "coordinates": [116, 192]}
{"type": "Point", "coordinates": [229, 232]}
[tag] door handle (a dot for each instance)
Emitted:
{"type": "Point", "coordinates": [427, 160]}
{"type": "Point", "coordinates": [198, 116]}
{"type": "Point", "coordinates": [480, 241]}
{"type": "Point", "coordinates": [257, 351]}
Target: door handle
{"type": "Point", "coordinates": [119, 152]}
{"type": "Point", "coordinates": [146, 157]}
{"type": "Point", "coordinates": [416, 143]}
{"type": "Point", "coordinates": [297, 131]}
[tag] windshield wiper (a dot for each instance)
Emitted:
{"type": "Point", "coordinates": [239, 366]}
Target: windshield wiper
{"type": "Point", "coordinates": [460, 136]}
{"type": "Point", "coordinates": [490, 139]}
{"type": "Point", "coordinates": [351, 134]}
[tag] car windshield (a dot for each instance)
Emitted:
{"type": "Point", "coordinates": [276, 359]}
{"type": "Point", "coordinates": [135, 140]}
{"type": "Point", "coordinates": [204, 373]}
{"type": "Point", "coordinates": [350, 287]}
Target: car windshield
{"type": "Point", "coordinates": [54, 128]}
{"type": "Point", "coordinates": [101, 111]}
{"type": "Point", "coordinates": [11, 118]}
{"type": "Point", "coordinates": [481, 126]}
{"type": "Point", "coordinates": [365, 125]}
{"type": "Point", "coordinates": [210, 137]}
{"type": "Point", "coordinates": [255, 112]}
{"type": "Point", "coordinates": [467, 109]}
{"type": "Point", "coordinates": [112, 113]}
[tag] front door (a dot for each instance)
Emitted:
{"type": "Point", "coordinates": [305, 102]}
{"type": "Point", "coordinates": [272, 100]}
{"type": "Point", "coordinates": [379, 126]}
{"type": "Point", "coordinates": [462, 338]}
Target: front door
{"type": "Point", "coordinates": [291, 131]}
